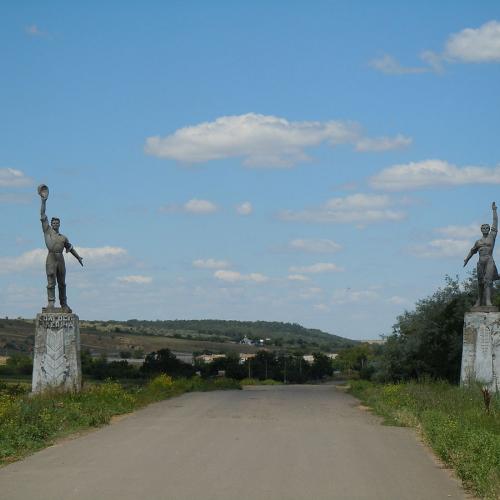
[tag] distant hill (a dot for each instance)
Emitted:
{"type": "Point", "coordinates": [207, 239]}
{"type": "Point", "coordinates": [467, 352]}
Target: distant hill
{"type": "Point", "coordinates": [17, 335]}
{"type": "Point", "coordinates": [278, 333]}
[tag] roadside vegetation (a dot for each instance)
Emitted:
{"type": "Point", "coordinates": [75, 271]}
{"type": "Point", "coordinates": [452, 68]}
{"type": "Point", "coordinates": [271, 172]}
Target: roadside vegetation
{"type": "Point", "coordinates": [28, 423]}
{"type": "Point", "coordinates": [413, 380]}
{"type": "Point", "coordinates": [256, 381]}
{"type": "Point", "coordinates": [451, 419]}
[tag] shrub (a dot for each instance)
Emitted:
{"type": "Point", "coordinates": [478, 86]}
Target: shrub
{"type": "Point", "coordinates": [164, 361]}
{"type": "Point", "coordinates": [161, 383]}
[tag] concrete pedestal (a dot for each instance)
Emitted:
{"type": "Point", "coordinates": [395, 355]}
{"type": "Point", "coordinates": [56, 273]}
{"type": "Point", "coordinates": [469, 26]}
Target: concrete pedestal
{"type": "Point", "coordinates": [56, 362]}
{"type": "Point", "coordinates": [481, 349]}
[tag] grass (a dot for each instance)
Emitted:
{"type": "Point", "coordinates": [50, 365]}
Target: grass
{"type": "Point", "coordinates": [30, 422]}
{"type": "Point", "coordinates": [256, 381]}
{"type": "Point", "coordinates": [452, 420]}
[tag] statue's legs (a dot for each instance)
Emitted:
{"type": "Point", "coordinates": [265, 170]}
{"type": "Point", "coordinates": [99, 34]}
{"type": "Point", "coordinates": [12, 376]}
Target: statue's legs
{"type": "Point", "coordinates": [487, 294]}
{"type": "Point", "coordinates": [61, 283]}
{"type": "Point", "coordinates": [51, 268]}
{"type": "Point", "coordinates": [488, 281]}
{"type": "Point", "coordinates": [479, 271]}
{"type": "Point", "coordinates": [480, 294]}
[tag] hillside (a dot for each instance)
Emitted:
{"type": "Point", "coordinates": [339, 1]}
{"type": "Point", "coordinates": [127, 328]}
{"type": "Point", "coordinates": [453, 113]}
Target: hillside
{"type": "Point", "coordinates": [278, 334]}
{"type": "Point", "coordinates": [17, 335]}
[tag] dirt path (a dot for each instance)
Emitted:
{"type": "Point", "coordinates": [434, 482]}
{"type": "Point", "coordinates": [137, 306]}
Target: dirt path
{"type": "Point", "coordinates": [275, 442]}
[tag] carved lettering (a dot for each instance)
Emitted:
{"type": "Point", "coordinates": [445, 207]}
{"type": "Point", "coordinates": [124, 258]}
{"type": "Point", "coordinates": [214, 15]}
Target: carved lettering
{"type": "Point", "coordinates": [484, 340]}
{"type": "Point", "coordinates": [56, 321]}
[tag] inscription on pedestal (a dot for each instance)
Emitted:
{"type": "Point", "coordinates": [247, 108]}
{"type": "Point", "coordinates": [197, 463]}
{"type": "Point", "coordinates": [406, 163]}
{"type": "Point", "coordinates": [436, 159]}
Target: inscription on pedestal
{"type": "Point", "coordinates": [54, 321]}
{"type": "Point", "coordinates": [481, 349]}
{"type": "Point", "coordinates": [56, 361]}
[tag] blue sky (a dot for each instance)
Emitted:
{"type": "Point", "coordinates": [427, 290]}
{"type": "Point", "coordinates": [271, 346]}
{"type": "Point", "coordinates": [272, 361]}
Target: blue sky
{"type": "Point", "coordinates": [326, 163]}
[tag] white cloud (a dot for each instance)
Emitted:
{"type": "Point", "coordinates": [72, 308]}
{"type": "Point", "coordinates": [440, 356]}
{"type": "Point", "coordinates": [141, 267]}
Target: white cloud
{"type": "Point", "coordinates": [348, 296]}
{"type": "Point", "coordinates": [261, 140]}
{"type": "Point", "coordinates": [475, 45]}
{"type": "Point", "coordinates": [320, 267]}
{"type": "Point", "coordinates": [210, 264]}
{"type": "Point", "coordinates": [193, 206]}
{"type": "Point", "coordinates": [95, 254]}
{"type": "Point", "coordinates": [244, 208]}
{"type": "Point", "coordinates": [430, 173]}
{"type": "Point", "coordinates": [234, 276]}
{"type": "Point", "coordinates": [297, 277]}
{"type": "Point", "coordinates": [11, 177]}
{"type": "Point", "coordinates": [460, 232]}
{"type": "Point", "coordinates": [24, 261]}
{"type": "Point", "coordinates": [444, 247]}
{"type": "Point", "coordinates": [360, 208]}
{"type": "Point", "coordinates": [389, 65]}
{"type": "Point", "coordinates": [471, 45]}
{"type": "Point", "coordinates": [383, 143]}
{"type": "Point", "coordinates": [36, 258]}
{"type": "Point", "coordinates": [315, 245]}
{"type": "Point", "coordinates": [135, 279]}
{"type": "Point", "coordinates": [455, 242]}
{"type": "Point", "coordinates": [435, 61]}
{"type": "Point", "coordinates": [200, 206]}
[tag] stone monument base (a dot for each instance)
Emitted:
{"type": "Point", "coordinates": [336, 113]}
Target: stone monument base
{"type": "Point", "coordinates": [56, 363]}
{"type": "Point", "coordinates": [481, 349]}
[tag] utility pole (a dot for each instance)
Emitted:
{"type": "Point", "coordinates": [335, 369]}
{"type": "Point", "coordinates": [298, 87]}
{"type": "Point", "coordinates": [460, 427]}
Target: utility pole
{"type": "Point", "coordinates": [249, 368]}
{"type": "Point", "coordinates": [284, 371]}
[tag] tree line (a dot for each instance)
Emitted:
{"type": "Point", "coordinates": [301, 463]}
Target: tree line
{"type": "Point", "coordinates": [264, 365]}
{"type": "Point", "coordinates": [425, 342]}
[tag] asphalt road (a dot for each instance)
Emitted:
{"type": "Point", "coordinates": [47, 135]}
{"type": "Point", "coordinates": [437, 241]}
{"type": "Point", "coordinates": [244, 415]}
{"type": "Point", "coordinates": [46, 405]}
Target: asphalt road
{"type": "Point", "coordinates": [274, 442]}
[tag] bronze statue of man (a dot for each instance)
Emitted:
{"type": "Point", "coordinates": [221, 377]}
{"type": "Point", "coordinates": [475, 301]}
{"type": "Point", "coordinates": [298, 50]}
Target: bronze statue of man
{"type": "Point", "coordinates": [54, 265]}
{"type": "Point", "coordinates": [486, 268]}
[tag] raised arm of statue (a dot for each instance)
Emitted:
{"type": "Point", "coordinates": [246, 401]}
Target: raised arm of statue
{"type": "Point", "coordinates": [494, 226]}
{"type": "Point", "coordinates": [43, 216]}
{"type": "Point", "coordinates": [43, 191]}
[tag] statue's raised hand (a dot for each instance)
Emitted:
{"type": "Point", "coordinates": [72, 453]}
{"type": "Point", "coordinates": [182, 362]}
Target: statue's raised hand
{"type": "Point", "coordinates": [493, 206]}
{"type": "Point", "coordinates": [43, 191]}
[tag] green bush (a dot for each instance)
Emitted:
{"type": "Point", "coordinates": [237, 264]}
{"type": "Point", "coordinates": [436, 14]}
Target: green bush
{"type": "Point", "coordinates": [17, 364]}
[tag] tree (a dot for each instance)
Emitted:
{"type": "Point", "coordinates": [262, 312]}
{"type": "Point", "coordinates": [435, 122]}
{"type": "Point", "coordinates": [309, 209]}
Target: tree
{"type": "Point", "coordinates": [164, 361]}
{"type": "Point", "coordinates": [428, 340]}
{"type": "Point", "coordinates": [321, 367]}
